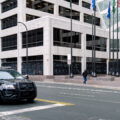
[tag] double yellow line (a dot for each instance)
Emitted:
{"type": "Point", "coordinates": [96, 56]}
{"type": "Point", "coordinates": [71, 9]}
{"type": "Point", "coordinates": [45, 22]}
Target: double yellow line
{"type": "Point", "coordinates": [57, 102]}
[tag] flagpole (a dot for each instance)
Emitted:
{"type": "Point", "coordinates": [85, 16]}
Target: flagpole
{"type": "Point", "coordinates": [117, 68]}
{"type": "Point", "coordinates": [71, 70]}
{"type": "Point", "coordinates": [93, 39]}
{"type": "Point", "coordinates": [109, 45]}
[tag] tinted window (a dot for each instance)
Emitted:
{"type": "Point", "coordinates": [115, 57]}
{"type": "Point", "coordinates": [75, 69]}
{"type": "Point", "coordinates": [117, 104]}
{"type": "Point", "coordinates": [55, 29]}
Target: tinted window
{"type": "Point", "coordinates": [9, 22]}
{"type": "Point", "coordinates": [8, 5]}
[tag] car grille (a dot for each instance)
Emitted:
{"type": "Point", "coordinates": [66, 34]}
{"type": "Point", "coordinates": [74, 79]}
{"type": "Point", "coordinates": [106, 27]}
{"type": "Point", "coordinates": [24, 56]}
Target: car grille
{"type": "Point", "coordinates": [26, 86]}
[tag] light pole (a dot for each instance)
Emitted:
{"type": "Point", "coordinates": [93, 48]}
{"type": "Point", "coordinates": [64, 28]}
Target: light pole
{"type": "Point", "coordinates": [26, 47]}
{"type": "Point", "coordinates": [71, 72]}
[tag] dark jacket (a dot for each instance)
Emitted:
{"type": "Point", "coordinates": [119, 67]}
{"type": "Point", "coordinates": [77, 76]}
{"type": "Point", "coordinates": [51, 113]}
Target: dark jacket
{"type": "Point", "coordinates": [85, 73]}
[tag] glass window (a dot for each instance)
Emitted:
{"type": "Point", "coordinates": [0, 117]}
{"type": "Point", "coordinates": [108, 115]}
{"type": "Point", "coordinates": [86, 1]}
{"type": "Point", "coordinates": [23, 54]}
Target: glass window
{"type": "Point", "coordinates": [86, 5]}
{"type": "Point", "coordinates": [35, 38]}
{"type": "Point", "coordinates": [8, 5]}
{"type": "Point", "coordinates": [88, 19]}
{"type": "Point", "coordinates": [31, 17]}
{"type": "Point", "coordinates": [41, 5]}
{"type": "Point", "coordinates": [65, 12]}
{"type": "Point", "coordinates": [60, 66]}
{"type": "Point", "coordinates": [100, 43]}
{"type": "Point", "coordinates": [101, 65]}
{"type": "Point", "coordinates": [74, 1]}
{"type": "Point", "coordinates": [9, 22]}
{"type": "Point", "coordinates": [35, 65]}
{"type": "Point", "coordinates": [9, 42]}
{"type": "Point", "coordinates": [10, 63]}
{"type": "Point", "coordinates": [63, 38]}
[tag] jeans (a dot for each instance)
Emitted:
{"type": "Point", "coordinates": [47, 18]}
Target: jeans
{"type": "Point", "coordinates": [85, 79]}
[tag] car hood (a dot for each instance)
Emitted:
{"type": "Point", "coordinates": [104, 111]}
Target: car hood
{"type": "Point", "coordinates": [14, 81]}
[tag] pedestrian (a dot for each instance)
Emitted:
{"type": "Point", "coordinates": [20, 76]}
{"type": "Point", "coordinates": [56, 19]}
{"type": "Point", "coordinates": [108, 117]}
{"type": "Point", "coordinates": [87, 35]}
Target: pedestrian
{"type": "Point", "coordinates": [85, 73]}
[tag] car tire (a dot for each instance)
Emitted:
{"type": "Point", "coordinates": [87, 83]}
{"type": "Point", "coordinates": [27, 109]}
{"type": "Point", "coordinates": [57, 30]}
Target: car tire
{"type": "Point", "coordinates": [30, 100]}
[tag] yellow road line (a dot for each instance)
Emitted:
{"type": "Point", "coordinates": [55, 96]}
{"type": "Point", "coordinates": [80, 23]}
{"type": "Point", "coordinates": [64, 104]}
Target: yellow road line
{"type": "Point", "coordinates": [49, 101]}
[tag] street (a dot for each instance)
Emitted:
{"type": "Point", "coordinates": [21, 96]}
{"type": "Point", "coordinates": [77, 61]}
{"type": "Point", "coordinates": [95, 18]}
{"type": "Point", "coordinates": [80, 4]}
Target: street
{"type": "Point", "coordinates": [66, 102]}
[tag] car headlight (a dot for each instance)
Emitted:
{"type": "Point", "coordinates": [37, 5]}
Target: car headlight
{"type": "Point", "coordinates": [5, 86]}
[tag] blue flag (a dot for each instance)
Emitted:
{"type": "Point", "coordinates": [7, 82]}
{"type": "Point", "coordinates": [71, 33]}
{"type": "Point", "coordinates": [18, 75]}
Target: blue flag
{"type": "Point", "coordinates": [93, 4]}
{"type": "Point", "coordinates": [109, 14]}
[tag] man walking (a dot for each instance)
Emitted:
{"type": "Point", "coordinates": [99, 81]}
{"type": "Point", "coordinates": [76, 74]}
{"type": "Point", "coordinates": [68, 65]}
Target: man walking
{"type": "Point", "coordinates": [85, 76]}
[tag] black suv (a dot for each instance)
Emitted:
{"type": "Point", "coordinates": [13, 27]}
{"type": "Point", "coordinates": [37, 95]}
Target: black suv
{"type": "Point", "coordinates": [13, 86]}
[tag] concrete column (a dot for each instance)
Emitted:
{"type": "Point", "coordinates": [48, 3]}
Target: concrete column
{"type": "Point", "coordinates": [21, 18]}
{"type": "Point", "coordinates": [19, 64]}
{"type": "Point", "coordinates": [80, 2]}
{"type": "Point", "coordinates": [19, 48]}
{"type": "Point", "coordinates": [21, 10]}
{"type": "Point", "coordinates": [48, 43]}
{"type": "Point", "coordinates": [56, 10]}
{"type": "Point", "coordinates": [83, 47]}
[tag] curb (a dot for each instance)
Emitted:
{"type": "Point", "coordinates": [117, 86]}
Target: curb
{"type": "Point", "coordinates": [83, 85]}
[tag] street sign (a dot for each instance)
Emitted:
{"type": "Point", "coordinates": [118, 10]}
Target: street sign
{"type": "Point", "coordinates": [69, 59]}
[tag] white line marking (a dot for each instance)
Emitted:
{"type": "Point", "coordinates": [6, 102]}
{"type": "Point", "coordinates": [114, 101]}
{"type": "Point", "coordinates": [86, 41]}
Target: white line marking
{"type": "Point", "coordinates": [68, 88]}
{"type": "Point", "coordinates": [74, 94]}
{"type": "Point", "coordinates": [6, 113]}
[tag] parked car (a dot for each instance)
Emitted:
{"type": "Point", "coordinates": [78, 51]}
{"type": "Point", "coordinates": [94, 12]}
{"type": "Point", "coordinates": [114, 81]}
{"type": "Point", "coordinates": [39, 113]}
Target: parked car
{"type": "Point", "coordinates": [15, 87]}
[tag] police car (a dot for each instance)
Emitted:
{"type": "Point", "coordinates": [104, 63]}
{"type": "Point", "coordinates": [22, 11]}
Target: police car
{"type": "Point", "coordinates": [13, 86]}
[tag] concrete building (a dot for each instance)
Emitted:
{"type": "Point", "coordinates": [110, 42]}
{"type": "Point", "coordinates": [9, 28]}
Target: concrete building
{"type": "Point", "coordinates": [48, 24]}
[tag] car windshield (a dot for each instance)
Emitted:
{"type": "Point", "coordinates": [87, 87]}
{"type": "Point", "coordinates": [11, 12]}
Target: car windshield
{"type": "Point", "coordinates": [10, 75]}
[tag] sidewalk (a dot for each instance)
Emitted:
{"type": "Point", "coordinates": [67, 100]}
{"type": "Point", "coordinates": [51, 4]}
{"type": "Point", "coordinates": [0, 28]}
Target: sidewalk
{"type": "Point", "coordinates": [109, 82]}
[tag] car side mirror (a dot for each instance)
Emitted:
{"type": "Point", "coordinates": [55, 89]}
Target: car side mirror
{"type": "Point", "coordinates": [26, 77]}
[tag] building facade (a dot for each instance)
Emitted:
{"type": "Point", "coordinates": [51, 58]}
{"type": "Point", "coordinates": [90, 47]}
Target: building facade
{"type": "Point", "coordinates": [48, 23]}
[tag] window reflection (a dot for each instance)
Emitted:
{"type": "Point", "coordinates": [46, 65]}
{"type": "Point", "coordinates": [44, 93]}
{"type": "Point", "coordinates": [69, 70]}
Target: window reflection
{"type": "Point", "coordinates": [60, 66]}
{"type": "Point", "coordinates": [9, 42]}
{"type": "Point", "coordinates": [10, 63]}
{"type": "Point", "coordinates": [63, 38]}
{"type": "Point", "coordinates": [88, 19]}
{"type": "Point", "coordinates": [65, 12]}
{"type": "Point", "coordinates": [100, 43]}
{"type": "Point", "coordinates": [41, 5]}
{"type": "Point", "coordinates": [101, 65]}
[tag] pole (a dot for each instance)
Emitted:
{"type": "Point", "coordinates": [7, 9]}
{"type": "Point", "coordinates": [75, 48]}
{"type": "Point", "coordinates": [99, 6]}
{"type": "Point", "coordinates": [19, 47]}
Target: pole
{"type": "Point", "coordinates": [113, 65]}
{"type": "Point", "coordinates": [71, 72]}
{"type": "Point", "coordinates": [26, 47]}
{"type": "Point", "coordinates": [117, 68]}
{"type": "Point", "coordinates": [109, 72]}
{"type": "Point", "coordinates": [94, 47]}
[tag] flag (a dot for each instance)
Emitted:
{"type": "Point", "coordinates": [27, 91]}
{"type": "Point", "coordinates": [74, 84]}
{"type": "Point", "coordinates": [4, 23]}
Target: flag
{"type": "Point", "coordinates": [109, 14]}
{"type": "Point", "coordinates": [93, 4]}
{"type": "Point", "coordinates": [118, 3]}
{"type": "Point", "coordinates": [113, 10]}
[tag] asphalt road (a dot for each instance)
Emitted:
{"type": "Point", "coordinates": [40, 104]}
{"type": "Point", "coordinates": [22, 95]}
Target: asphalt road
{"type": "Point", "coordinates": [66, 102]}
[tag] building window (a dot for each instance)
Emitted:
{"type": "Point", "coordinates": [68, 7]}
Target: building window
{"type": "Point", "coordinates": [31, 17]}
{"type": "Point", "coordinates": [65, 12]}
{"type": "Point", "coordinates": [88, 19]}
{"type": "Point", "coordinates": [100, 43]}
{"type": "Point", "coordinates": [60, 66]}
{"type": "Point", "coordinates": [35, 65]}
{"type": "Point", "coordinates": [9, 22]}
{"type": "Point", "coordinates": [35, 38]}
{"type": "Point", "coordinates": [86, 5]}
{"type": "Point", "coordinates": [9, 42]}
{"type": "Point", "coordinates": [8, 5]}
{"type": "Point", "coordinates": [101, 65]}
{"type": "Point", "coordinates": [63, 38]}
{"type": "Point", "coordinates": [74, 1]}
{"type": "Point", "coordinates": [41, 5]}
{"type": "Point", "coordinates": [10, 63]}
